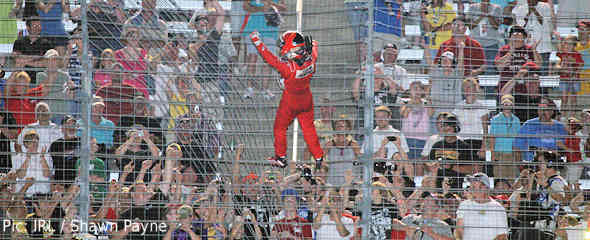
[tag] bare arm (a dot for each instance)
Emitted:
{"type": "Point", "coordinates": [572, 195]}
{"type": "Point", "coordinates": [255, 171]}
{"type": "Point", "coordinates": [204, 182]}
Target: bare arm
{"type": "Point", "coordinates": [220, 18]}
{"type": "Point", "coordinates": [356, 89]}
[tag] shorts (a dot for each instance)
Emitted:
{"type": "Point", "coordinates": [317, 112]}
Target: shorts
{"type": "Point", "coordinates": [269, 42]}
{"type": "Point", "coordinates": [569, 87]}
{"type": "Point", "coordinates": [237, 18]}
{"type": "Point", "coordinates": [416, 146]}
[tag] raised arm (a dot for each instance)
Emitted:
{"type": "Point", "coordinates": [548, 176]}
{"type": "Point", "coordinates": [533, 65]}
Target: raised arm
{"type": "Point", "coordinates": [268, 56]}
{"type": "Point", "coordinates": [220, 15]}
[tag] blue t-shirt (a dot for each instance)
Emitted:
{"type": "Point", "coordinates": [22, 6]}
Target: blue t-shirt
{"type": "Point", "coordinates": [501, 3]}
{"type": "Point", "coordinates": [51, 22]}
{"type": "Point", "coordinates": [257, 22]}
{"type": "Point", "coordinates": [504, 129]}
{"type": "Point", "coordinates": [388, 17]}
{"type": "Point", "coordinates": [546, 136]}
{"type": "Point", "coordinates": [103, 132]}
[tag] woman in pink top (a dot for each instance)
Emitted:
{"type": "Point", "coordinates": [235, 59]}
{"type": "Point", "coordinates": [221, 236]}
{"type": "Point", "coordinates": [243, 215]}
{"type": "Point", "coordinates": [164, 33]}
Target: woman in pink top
{"type": "Point", "coordinates": [416, 121]}
{"type": "Point", "coordinates": [133, 58]}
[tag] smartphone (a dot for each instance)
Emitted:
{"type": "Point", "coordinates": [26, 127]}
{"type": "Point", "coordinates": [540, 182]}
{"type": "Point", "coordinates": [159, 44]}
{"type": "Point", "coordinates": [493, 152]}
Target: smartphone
{"type": "Point", "coordinates": [392, 138]}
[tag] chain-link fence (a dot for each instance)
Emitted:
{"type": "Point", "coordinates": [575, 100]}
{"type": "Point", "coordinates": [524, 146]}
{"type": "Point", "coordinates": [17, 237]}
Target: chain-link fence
{"type": "Point", "coordinates": [175, 119]}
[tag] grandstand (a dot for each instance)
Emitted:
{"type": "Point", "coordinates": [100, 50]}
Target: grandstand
{"type": "Point", "coordinates": [156, 119]}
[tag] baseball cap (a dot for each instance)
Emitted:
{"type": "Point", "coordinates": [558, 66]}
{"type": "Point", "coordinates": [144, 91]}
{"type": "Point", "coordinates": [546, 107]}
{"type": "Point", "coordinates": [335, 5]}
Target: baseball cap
{"type": "Point", "coordinates": [289, 192]}
{"type": "Point", "coordinates": [480, 177]}
{"type": "Point", "coordinates": [184, 212]}
{"type": "Point", "coordinates": [448, 54]}
{"type": "Point", "coordinates": [507, 99]}
{"type": "Point", "coordinates": [250, 177]}
{"type": "Point", "coordinates": [531, 66]}
{"type": "Point", "coordinates": [383, 109]}
{"type": "Point", "coordinates": [51, 53]}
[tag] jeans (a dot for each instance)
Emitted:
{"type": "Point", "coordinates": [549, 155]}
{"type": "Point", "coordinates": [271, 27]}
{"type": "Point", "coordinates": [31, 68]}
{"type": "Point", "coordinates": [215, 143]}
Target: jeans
{"type": "Point", "coordinates": [358, 16]}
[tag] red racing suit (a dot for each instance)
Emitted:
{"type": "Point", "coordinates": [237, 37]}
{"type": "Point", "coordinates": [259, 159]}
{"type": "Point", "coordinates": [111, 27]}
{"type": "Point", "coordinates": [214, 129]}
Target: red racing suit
{"type": "Point", "coordinates": [297, 100]}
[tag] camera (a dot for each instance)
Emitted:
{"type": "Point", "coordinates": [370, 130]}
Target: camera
{"type": "Point", "coordinates": [392, 138]}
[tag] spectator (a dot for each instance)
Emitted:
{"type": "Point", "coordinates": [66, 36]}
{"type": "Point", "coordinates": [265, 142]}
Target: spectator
{"type": "Point", "coordinates": [101, 128]}
{"type": "Point", "coordinates": [20, 100]}
{"type": "Point", "coordinates": [569, 84]}
{"type": "Point", "coordinates": [434, 138]}
{"type": "Point", "coordinates": [52, 26]}
{"type": "Point", "coordinates": [437, 21]}
{"type": "Point", "coordinates": [291, 225]}
{"type": "Point", "coordinates": [133, 57]}
{"type": "Point", "coordinates": [513, 55]}
{"type": "Point", "coordinates": [104, 25]}
{"type": "Point", "coordinates": [540, 133]}
{"type": "Point", "coordinates": [342, 152]}
{"type": "Point", "coordinates": [26, 12]}
{"type": "Point", "coordinates": [390, 80]}
{"type": "Point", "coordinates": [268, 34]}
{"type": "Point", "coordinates": [250, 200]}
{"type": "Point", "coordinates": [484, 21]}
{"type": "Point", "coordinates": [574, 145]}
{"type": "Point", "coordinates": [550, 184]}
{"type": "Point", "coordinates": [46, 130]}
{"type": "Point", "coordinates": [474, 56]}
{"type": "Point", "coordinates": [198, 140]}
{"type": "Point", "coordinates": [142, 115]}
{"type": "Point", "coordinates": [382, 131]}
{"type": "Point", "coordinates": [454, 154]}
{"type": "Point", "coordinates": [27, 50]}
{"type": "Point", "coordinates": [53, 80]}
{"type": "Point", "coordinates": [206, 49]}
{"type": "Point", "coordinates": [64, 152]}
{"type": "Point", "coordinates": [147, 207]}
{"type": "Point", "coordinates": [504, 128]}
{"type": "Point", "coordinates": [525, 87]}
{"type": "Point", "coordinates": [416, 114]}
{"type": "Point", "coordinates": [383, 211]}
{"type": "Point", "coordinates": [481, 217]}
{"type": "Point", "coordinates": [148, 27]}
{"type": "Point", "coordinates": [169, 68]}
{"type": "Point", "coordinates": [426, 225]}
{"type": "Point", "coordinates": [105, 63]}
{"type": "Point", "coordinates": [183, 230]}
{"type": "Point", "coordinates": [332, 220]}
{"type": "Point", "coordinates": [446, 79]}
{"type": "Point", "coordinates": [473, 116]}
{"type": "Point", "coordinates": [324, 125]}
{"type": "Point", "coordinates": [97, 173]}
{"type": "Point", "coordinates": [583, 47]}
{"type": "Point", "coordinates": [118, 95]}
{"type": "Point", "coordinates": [538, 18]}
{"type": "Point", "coordinates": [8, 134]}
{"type": "Point", "coordinates": [73, 57]}
{"type": "Point", "coordinates": [132, 153]}
{"type": "Point", "coordinates": [32, 163]}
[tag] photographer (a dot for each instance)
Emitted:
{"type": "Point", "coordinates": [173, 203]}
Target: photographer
{"type": "Point", "coordinates": [132, 151]}
{"type": "Point", "coordinates": [425, 225]}
{"type": "Point", "coordinates": [251, 203]}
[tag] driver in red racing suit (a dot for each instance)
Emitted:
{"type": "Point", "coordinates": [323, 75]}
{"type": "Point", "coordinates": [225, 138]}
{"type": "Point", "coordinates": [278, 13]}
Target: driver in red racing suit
{"type": "Point", "coordinates": [296, 66]}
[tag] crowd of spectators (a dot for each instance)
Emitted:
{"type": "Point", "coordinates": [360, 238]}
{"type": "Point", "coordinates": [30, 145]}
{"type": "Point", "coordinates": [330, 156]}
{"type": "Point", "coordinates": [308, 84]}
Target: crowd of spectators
{"type": "Point", "coordinates": [445, 164]}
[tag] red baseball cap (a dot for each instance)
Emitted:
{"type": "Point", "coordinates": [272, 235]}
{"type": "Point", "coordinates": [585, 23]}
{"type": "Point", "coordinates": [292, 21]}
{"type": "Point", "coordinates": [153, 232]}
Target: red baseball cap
{"type": "Point", "coordinates": [531, 66]}
{"type": "Point", "coordinates": [250, 177]}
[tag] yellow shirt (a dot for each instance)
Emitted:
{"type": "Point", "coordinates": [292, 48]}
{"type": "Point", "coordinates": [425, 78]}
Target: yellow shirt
{"type": "Point", "coordinates": [177, 108]}
{"type": "Point", "coordinates": [437, 17]}
{"type": "Point", "coordinates": [584, 50]}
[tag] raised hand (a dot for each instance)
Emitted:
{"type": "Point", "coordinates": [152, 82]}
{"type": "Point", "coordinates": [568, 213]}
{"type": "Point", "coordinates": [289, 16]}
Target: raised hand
{"type": "Point", "coordinates": [255, 37]}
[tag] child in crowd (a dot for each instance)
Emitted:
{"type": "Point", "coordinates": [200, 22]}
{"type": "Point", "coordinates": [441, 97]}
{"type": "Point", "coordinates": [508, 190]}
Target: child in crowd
{"type": "Point", "coordinates": [416, 114]}
{"type": "Point", "coordinates": [571, 62]}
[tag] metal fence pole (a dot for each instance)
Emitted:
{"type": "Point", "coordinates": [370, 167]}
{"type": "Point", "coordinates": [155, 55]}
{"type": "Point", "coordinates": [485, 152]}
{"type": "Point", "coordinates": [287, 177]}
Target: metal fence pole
{"type": "Point", "coordinates": [85, 103]}
{"type": "Point", "coordinates": [369, 103]}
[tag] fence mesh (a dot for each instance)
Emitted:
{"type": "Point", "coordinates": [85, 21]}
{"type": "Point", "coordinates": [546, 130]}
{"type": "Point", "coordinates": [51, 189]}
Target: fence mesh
{"type": "Point", "coordinates": [157, 119]}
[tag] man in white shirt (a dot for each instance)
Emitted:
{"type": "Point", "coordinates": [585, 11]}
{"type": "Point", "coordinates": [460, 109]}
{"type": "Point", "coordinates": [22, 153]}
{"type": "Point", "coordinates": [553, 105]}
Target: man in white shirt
{"type": "Point", "coordinates": [389, 67]}
{"type": "Point", "coordinates": [332, 220]}
{"type": "Point", "coordinates": [47, 130]}
{"type": "Point", "coordinates": [481, 217]}
{"type": "Point", "coordinates": [473, 116]}
{"type": "Point", "coordinates": [34, 163]}
{"type": "Point", "coordinates": [538, 19]}
{"type": "Point", "coordinates": [383, 130]}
